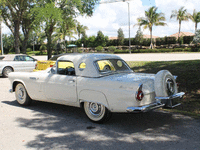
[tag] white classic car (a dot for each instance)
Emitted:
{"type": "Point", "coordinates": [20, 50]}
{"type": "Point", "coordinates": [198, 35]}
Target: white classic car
{"type": "Point", "coordinates": [100, 83]}
{"type": "Point", "coordinates": [16, 62]}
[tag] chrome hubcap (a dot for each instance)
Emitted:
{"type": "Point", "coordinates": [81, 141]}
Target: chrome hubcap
{"type": "Point", "coordinates": [94, 108]}
{"type": "Point", "coordinates": [21, 93]}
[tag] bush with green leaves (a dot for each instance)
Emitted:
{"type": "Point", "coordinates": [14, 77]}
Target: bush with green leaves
{"type": "Point", "coordinates": [187, 39]}
{"type": "Point", "coordinates": [99, 49]}
{"type": "Point", "coordinates": [111, 49]}
{"type": "Point", "coordinates": [28, 50]}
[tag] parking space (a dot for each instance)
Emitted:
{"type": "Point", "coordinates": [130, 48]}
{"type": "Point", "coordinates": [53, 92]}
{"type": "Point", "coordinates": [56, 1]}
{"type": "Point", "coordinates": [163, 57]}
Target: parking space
{"type": "Point", "coordinates": [50, 126]}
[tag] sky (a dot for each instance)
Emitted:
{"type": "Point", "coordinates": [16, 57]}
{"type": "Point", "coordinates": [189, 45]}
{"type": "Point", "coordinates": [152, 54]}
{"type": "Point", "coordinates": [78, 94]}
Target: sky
{"type": "Point", "coordinates": [109, 17]}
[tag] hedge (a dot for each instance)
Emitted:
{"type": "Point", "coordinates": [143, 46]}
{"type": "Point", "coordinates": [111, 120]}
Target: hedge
{"type": "Point", "coordinates": [195, 49]}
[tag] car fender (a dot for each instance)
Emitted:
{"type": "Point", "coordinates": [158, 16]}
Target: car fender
{"type": "Point", "coordinates": [7, 66]}
{"type": "Point", "coordinates": [93, 96]}
{"type": "Point", "coordinates": [14, 84]}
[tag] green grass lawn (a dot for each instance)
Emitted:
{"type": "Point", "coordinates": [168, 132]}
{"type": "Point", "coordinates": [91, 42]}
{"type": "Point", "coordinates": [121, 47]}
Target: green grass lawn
{"type": "Point", "coordinates": [188, 73]}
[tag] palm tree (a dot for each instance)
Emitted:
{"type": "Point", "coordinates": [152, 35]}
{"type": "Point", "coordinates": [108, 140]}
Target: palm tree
{"type": "Point", "coordinates": [151, 18]}
{"type": "Point", "coordinates": [195, 17]}
{"type": "Point", "coordinates": [66, 28]}
{"type": "Point", "coordinates": [180, 15]}
{"type": "Point", "coordinates": [81, 29]}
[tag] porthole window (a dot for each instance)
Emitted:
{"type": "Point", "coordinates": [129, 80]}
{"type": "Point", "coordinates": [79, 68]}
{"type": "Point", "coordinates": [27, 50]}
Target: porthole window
{"type": "Point", "coordinates": [82, 66]}
{"type": "Point", "coordinates": [119, 63]}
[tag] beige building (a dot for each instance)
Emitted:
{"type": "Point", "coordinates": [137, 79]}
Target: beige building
{"type": "Point", "coordinates": [182, 34]}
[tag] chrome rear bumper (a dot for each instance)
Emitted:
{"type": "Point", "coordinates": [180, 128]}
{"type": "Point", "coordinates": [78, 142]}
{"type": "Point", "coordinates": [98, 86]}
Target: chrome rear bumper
{"type": "Point", "coordinates": [160, 102]}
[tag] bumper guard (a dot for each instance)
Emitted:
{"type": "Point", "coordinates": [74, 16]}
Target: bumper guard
{"type": "Point", "coordinates": [160, 102]}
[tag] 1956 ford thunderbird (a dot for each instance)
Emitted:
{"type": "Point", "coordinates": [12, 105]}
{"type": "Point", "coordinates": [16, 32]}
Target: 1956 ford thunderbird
{"type": "Point", "coordinates": [100, 83]}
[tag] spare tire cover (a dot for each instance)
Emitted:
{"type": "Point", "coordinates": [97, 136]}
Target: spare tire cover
{"type": "Point", "coordinates": [165, 84]}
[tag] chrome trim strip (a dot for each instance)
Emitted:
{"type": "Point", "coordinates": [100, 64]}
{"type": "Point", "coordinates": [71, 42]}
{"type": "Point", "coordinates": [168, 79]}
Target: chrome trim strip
{"type": "Point", "coordinates": [145, 108]}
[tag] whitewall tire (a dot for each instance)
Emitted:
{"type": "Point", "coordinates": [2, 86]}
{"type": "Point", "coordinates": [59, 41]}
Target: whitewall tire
{"type": "Point", "coordinates": [96, 112]}
{"type": "Point", "coordinates": [22, 95]}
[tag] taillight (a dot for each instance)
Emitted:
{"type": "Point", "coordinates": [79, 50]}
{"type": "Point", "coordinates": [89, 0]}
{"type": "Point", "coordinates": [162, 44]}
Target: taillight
{"type": "Point", "coordinates": [139, 94]}
{"type": "Point", "coordinates": [35, 66]}
{"type": "Point", "coordinates": [51, 65]}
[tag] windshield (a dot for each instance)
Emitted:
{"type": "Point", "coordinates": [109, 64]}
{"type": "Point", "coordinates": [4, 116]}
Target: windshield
{"type": "Point", "coordinates": [112, 66]}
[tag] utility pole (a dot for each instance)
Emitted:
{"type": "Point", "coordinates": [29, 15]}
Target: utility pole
{"type": "Point", "coordinates": [129, 28]}
{"type": "Point", "coordinates": [1, 41]}
{"type": "Point", "coordinates": [112, 1]}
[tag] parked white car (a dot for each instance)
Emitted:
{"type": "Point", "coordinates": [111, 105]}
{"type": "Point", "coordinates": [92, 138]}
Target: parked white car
{"type": "Point", "coordinates": [16, 63]}
{"type": "Point", "coordinates": [100, 83]}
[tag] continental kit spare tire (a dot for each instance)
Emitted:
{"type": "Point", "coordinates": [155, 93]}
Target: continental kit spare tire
{"type": "Point", "coordinates": [165, 84]}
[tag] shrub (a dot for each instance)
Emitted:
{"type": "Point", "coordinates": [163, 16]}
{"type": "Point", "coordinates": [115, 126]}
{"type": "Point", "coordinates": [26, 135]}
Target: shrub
{"type": "Point", "coordinates": [121, 51]}
{"type": "Point", "coordinates": [28, 49]}
{"type": "Point", "coordinates": [34, 53]}
{"type": "Point", "coordinates": [111, 49]}
{"type": "Point", "coordinates": [99, 48]}
{"type": "Point", "coordinates": [187, 39]}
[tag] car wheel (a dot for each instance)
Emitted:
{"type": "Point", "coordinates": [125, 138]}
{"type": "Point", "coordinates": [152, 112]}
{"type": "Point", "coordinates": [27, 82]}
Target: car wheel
{"type": "Point", "coordinates": [6, 71]}
{"type": "Point", "coordinates": [22, 95]}
{"type": "Point", "coordinates": [96, 112]}
{"type": "Point", "coordinates": [165, 84]}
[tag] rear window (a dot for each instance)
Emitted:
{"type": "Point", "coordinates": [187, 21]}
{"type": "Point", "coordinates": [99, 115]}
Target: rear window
{"type": "Point", "coordinates": [112, 65]}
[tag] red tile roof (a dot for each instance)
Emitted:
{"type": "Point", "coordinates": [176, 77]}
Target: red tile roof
{"type": "Point", "coordinates": [182, 34]}
{"type": "Point", "coordinates": [148, 36]}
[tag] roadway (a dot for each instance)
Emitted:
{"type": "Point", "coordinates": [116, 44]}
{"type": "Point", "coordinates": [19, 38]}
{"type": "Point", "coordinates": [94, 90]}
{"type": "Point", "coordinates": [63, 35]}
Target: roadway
{"type": "Point", "coordinates": [151, 56]}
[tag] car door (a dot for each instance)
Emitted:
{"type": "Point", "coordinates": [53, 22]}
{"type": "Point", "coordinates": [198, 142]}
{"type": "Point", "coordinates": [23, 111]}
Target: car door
{"type": "Point", "coordinates": [24, 63]}
{"type": "Point", "coordinates": [60, 87]}
{"type": "Point", "coordinates": [29, 63]}
{"type": "Point", "coordinates": [18, 63]}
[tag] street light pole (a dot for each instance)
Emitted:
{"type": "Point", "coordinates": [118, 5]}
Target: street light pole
{"type": "Point", "coordinates": [129, 28]}
{"type": "Point", "coordinates": [1, 37]}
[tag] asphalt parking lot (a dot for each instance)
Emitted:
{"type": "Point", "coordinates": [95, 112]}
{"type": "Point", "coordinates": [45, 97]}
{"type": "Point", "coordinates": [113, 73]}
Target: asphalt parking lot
{"type": "Point", "coordinates": [49, 126]}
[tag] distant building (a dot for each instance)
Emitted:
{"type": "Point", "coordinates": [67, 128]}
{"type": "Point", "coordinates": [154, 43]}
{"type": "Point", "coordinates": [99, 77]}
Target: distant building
{"type": "Point", "coordinates": [113, 38]}
{"type": "Point", "coordinates": [182, 34]}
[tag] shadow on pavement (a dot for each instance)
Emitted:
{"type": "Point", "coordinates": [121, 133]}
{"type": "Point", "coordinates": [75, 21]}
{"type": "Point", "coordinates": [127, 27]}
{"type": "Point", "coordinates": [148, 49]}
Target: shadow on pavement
{"type": "Point", "coordinates": [65, 127]}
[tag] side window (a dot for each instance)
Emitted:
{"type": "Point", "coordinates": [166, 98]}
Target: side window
{"type": "Point", "coordinates": [16, 58]}
{"type": "Point", "coordinates": [19, 58]}
{"type": "Point", "coordinates": [66, 68]}
{"type": "Point", "coordinates": [27, 58]}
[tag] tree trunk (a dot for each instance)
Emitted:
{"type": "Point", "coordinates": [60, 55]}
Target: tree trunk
{"type": "Point", "coordinates": [24, 44]}
{"type": "Point", "coordinates": [195, 27]}
{"type": "Point", "coordinates": [16, 36]}
{"type": "Point", "coordinates": [151, 45]}
{"type": "Point", "coordinates": [48, 32]}
{"type": "Point", "coordinates": [179, 30]}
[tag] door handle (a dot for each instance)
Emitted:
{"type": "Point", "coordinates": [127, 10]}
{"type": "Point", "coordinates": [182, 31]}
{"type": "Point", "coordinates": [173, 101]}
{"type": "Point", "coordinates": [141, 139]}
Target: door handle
{"type": "Point", "coordinates": [71, 80]}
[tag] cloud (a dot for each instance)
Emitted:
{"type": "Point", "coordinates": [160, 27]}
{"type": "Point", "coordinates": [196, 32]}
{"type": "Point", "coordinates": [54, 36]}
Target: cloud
{"type": "Point", "coordinates": [110, 17]}
{"type": "Point", "coordinates": [5, 29]}
{"type": "Point", "coordinates": [166, 7]}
